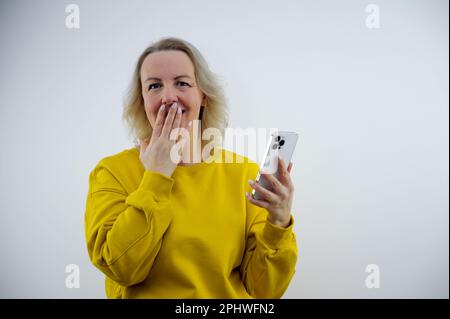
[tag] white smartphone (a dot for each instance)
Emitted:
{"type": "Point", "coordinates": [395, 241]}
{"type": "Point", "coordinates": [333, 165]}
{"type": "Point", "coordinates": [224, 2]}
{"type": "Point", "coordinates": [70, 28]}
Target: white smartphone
{"type": "Point", "coordinates": [281, 143]}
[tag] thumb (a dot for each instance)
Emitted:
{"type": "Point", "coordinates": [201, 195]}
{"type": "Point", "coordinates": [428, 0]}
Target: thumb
{"type": "Point", "coordinates": [142, 146]}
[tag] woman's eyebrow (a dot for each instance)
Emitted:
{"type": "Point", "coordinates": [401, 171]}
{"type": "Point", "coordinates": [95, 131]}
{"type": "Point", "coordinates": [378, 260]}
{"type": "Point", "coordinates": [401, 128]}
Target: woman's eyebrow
{"type": "Point", "coordinates": [175, 78]}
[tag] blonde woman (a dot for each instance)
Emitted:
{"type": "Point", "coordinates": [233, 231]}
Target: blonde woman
{"type": "Point", "coordinates": [164, 228]}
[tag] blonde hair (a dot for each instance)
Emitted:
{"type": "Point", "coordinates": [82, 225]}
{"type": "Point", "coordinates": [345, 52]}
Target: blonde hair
{"type": "Point", "coordinates": [214, 115]}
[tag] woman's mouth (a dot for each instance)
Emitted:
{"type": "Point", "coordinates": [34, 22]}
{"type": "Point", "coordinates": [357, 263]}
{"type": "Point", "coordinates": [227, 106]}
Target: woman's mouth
{"type": "Point", "coordinates": [183, 109]}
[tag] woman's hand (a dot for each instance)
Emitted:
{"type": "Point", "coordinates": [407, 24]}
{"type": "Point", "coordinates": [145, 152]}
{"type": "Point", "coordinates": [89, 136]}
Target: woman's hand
{"type": "Point", "coordinates": [155, 155]}
{"type": "Point", "coordinates": [279, 201]}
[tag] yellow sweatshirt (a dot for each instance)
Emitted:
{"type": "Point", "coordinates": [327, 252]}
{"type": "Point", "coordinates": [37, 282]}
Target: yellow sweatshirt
{"type": "Point", "coordinates": [191, 235]}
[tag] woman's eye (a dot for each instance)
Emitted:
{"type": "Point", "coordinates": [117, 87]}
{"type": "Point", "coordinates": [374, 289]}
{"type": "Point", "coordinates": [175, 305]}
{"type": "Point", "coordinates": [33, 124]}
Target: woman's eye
{"type": "Point", "coordinates": [156, 85]}
{"type": "Point", "coordinates": [152, 86]}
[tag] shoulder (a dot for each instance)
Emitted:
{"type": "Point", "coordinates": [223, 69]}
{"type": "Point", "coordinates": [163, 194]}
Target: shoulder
{"type": "Point", "coordinates": [121, 169]}
{"type": "Point", "coordinates": [120, 159]}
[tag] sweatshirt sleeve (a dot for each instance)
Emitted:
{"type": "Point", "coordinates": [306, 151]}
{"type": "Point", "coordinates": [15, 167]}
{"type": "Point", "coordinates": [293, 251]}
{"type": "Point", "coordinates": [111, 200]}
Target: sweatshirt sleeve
{"type": "Point", "coordinates": [124, 231]}
{"type": "Point", "coordinates": [270, 257]}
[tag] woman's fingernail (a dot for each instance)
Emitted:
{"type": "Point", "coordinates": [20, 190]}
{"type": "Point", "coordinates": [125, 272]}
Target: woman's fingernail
{"type": "Point", "coordinates": [250, 181]}
{"type": "Point", "coordinates": [179, 111]}
{"type": "Point", "coordinates": [174, 105]}
{"type": "Point", "coordinates": [190, 123]}
{"type": "Point", "coordinates": [162, 107]}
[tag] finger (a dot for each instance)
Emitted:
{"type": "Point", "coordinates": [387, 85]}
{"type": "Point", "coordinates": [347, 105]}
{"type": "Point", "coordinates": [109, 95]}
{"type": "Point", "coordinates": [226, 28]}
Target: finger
{"type": "Point", "coordinates": [265, 193]}
{"type": "Point", "coordinates": [278, 188]}
{"type": "Point", "coordinates": [176, 125]}
{"type": "Point", "coordinates": [287, 178]}
{"type": "Point", "coordinates": [283, 172]}
{"type": "Point", "coordinates": [256, 202]}
{"type": "Point", "coordinates": [159, 121]}
{"type": "Point", "coordinates": [169, 120]}
{"type": "Point", "coordinates": [289, 167]}
{"type": "Point", "coordinates": [291, 184]}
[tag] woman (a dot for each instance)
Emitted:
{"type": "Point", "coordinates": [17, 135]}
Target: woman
{"type": "Point", "coordinates": [164, 228]}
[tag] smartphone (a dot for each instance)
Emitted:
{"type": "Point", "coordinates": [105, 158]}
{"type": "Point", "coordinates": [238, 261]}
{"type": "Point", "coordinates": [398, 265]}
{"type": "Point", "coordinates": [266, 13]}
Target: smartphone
{"type": "Point", "coordinates": [281, 143]}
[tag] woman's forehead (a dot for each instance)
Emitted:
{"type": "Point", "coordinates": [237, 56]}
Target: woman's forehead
{"type": "Point", "coordinates": [167, 64]}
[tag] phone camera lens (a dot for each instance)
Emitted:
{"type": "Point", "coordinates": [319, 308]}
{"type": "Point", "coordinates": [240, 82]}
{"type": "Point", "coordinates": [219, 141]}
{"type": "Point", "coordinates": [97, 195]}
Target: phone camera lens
{"type": "Point", "coordinates": [274, 146]}
{"type": "Point", "coordinates": [277, 138]}
{"type": "Point", "coordinates": [281, 142]}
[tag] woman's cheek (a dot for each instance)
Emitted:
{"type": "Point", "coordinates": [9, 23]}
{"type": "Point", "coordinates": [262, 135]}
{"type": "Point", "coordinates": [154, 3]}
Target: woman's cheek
{"type": "Point", "coordinates": [146, 101]}
{"type": "Point", "coordinates": [149, 110]}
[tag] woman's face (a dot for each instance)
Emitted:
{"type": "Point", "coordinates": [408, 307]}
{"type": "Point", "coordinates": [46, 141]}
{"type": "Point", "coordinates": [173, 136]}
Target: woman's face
{"type": "Point", "coordinates": [167, 77]}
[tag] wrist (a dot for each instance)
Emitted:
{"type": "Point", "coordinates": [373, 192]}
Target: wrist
{"type": "Point", "coordinates": [150, 167]}
{"type": "Point", "coordinates": [283, 223]}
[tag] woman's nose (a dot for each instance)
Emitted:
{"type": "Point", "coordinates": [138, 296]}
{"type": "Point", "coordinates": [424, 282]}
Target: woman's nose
{"type": "Point", "coordinates": [169, 96]}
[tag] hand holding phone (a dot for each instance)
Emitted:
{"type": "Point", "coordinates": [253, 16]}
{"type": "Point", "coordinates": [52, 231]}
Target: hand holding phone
{"type": "Point", "coordinates": [281, 143]}
{"type": "Point", "coordinates": [277, 200]}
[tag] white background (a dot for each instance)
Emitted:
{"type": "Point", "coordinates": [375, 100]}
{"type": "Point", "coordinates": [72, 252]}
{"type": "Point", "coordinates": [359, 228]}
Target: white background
{"type": "Point", "coordinates": [371, 107]}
